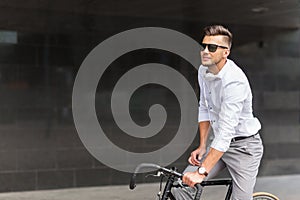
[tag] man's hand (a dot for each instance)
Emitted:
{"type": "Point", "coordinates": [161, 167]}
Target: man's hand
{"type": "Point", "coordinates": [192, 178]}
{"type": "Point", "coordinates": [197, 155]}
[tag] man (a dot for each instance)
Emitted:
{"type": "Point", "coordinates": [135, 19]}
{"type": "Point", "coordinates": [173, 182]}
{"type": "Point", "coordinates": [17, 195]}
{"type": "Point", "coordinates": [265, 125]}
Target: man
{"type": "Point", "coordinates": [225, 106]}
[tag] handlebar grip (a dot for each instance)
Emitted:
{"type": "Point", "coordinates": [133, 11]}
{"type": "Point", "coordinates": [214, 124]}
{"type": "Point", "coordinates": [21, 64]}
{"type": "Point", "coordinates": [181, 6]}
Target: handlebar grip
{"type": "Point", "coordinates": [132, 184]}
{"type": "Point", "coordinates": [199, 191]}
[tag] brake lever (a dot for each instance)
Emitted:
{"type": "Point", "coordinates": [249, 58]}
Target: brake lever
{"type": "Point", "coordinates": [158, 174]}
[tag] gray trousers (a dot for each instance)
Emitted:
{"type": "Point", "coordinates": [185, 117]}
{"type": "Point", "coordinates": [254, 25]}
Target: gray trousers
{"type": "Point", "coordinates": [242, 160]}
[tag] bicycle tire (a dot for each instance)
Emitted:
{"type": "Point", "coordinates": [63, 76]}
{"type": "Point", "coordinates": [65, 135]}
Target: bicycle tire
{"type": "Point", "coordinates": [264, 196]}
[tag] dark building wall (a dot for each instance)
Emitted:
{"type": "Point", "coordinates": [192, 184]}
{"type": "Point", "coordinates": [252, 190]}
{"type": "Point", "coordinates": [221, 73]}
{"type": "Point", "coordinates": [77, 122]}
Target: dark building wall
{"type": "Point", "coordinates": [39, 145]}
{"type": "Point", "coordinates": [272, 66]}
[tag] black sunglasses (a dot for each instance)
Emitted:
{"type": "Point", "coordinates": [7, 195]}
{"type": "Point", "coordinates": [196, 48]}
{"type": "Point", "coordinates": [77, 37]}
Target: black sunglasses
{"type": "Point", "coordinates": [211, 47]}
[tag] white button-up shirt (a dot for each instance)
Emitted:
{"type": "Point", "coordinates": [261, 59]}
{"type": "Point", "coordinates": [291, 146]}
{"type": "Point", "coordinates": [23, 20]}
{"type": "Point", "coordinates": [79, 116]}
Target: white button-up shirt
{"type": "Point", "coordinates": [226, 101]}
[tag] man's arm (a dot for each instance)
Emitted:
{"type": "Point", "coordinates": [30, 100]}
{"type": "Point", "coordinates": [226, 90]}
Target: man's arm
{"type": "Point", "coordinates": [191, 178]}
{"type": "Point", "coordinates": [197, 154]}
{"type": "Point", "coordinates": [204, 130]}
{"type": "Point", "coordinates": [211, 159]}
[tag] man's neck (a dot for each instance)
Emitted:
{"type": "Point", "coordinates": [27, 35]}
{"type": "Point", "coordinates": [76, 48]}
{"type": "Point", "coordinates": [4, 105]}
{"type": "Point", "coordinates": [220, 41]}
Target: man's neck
{"type": "Point", "coordinates": [215, 69]}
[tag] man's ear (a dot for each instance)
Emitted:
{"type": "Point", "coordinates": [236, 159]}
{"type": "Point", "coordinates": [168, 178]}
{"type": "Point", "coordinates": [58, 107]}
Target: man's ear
{"type": "Point", "coordinates": [226, 53]}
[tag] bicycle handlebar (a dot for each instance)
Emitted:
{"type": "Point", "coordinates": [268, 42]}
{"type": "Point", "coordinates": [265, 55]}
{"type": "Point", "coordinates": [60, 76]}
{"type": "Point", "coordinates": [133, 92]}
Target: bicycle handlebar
{"type": "Point", "coordinates": [170, 172]}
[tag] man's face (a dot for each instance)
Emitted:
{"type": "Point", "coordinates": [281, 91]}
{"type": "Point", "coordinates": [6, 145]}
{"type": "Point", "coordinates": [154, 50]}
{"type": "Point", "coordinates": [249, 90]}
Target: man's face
{"type": "Point", "coordinates": [210, 58]}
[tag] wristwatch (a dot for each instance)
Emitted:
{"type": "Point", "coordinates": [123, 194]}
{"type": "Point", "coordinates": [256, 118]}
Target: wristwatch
{"type": "Point", "coordinates": [202, 171]}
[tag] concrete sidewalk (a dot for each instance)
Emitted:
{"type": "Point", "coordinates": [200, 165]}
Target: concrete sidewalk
{"type": "Point", "coordinates": [285, 187]}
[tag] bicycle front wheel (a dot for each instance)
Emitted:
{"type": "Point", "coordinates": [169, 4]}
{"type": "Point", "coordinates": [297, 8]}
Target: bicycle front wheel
{"type": "Point", "coordinates": [264, 196]}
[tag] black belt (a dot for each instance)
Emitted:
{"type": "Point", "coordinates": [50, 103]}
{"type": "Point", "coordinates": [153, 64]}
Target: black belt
{"type": "Point", "coordinates": [242, 137]}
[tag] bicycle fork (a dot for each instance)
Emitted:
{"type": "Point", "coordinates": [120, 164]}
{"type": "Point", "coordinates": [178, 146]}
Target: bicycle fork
{"type": "Point", "coordinates": [167, 191]}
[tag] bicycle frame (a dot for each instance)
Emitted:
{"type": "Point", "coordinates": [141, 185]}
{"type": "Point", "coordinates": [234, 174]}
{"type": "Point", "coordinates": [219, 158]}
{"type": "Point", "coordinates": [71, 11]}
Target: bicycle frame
{"type": "Point", "coordinates": [172, 174]}
{"type": "Point", "coordinates": [170, 183]}
{"type": "Point", "coordinates": [227, 182]}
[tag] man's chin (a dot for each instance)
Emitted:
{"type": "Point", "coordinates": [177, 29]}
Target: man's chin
{"type": "Point", "coordinates": [208, 64]}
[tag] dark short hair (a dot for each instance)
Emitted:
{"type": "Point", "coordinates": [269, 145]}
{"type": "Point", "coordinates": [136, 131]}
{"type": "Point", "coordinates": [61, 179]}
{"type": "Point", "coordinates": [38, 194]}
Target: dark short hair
{"type": "Point", "coordinates": [218, 30]}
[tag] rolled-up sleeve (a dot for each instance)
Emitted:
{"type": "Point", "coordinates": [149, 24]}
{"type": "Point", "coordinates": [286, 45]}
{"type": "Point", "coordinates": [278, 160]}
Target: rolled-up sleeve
{"type": "Point", "coordinates": [234, 94]}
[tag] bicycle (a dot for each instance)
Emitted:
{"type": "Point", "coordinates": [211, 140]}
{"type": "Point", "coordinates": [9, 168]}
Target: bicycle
{"type": "Point", "coordinates": [172, 175]}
